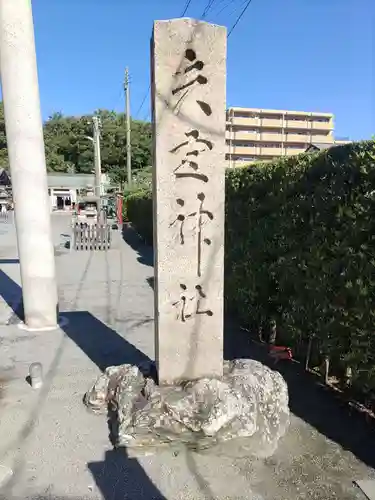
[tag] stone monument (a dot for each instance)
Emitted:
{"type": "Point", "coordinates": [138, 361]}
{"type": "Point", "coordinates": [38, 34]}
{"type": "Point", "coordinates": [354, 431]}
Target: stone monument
{"type": "Point", "coordinates": [188, 100]}
{"type": "Point", "coordinates": [200, 403]}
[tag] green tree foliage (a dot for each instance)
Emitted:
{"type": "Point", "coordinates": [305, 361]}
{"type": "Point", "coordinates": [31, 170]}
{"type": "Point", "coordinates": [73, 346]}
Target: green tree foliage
{"type": "Point", "coordinates": [4, 162]}
{"type": "Point", "coordinates": [67, 147]}
{"type": "Point", "coordinates": [300, 249]}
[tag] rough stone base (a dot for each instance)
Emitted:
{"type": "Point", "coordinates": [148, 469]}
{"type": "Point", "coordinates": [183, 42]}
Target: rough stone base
{"type": "Point", "coordinates": [250, 401]}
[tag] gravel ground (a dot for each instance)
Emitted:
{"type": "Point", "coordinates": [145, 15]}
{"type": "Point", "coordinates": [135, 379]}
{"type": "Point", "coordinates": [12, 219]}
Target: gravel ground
{"type": "Point", "coordinates": [58, 450]}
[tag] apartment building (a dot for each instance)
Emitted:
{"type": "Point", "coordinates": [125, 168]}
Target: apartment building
{"type": "Point", "coordinates": [262, 134]}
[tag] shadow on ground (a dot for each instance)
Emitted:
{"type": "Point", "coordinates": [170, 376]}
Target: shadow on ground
{"type": "Point", "coordinates": [11, 293]}
{"type": "Point", "coordinates": [151, 281]}
{"type": "Point", "coordinates": [104, 346]}
{"type": "Point", "coordinates": [144, 251]}
{"type": "Point", "coordinates": [119, 477]}
{"type": "Point", "coordinates": [310, 400]}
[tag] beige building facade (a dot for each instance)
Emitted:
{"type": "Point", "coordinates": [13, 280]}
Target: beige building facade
{"type": "Point", "coordinates": [262, 134]}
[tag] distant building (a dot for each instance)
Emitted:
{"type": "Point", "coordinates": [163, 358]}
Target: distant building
{"type": "Point", "coordinates": [263, 134]}
{"type": "Point", "coordinates": [64, 189]}
{"type": "Point", "coordinates": [339, 142]}
{"type": "Point", "coordinates": [312, 148]}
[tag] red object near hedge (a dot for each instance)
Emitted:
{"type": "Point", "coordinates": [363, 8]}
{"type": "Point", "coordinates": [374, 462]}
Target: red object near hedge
{"type": "Point", "coordinates": [281, 352]}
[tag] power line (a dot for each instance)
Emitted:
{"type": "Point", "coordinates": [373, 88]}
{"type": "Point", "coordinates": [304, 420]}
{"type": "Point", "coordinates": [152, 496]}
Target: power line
{"type": "Point", "coordinates": [205, 12]}
{"type": "Point", "coordinates": [220, 2]}
{"type": "Point", "coordinates": [227, 5]}
{"type": "Point", "coordinates": [207, 8]}
{"type": "Point", "coordinates": [235, 9]}
{"type": "Point", "coordinates": [186, 7]}
{"type": "Point", "coordinates": [239, 17]}
{"type": "Point", "coordinates": [143, 100]}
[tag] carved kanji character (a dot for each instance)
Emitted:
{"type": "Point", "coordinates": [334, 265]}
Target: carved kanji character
{"type": "Point", "coordinates": [190, 303]}
{"type": "Point", "coordinates": [187, 83]}
{"type": "Point", "coordinates": [192, 148]}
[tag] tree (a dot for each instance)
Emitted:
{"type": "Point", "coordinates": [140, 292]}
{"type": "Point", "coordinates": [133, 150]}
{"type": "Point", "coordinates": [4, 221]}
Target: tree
{"type": "Point", "coordinates": [4, 161]}
{"type": "Point", "coordinates": [68, 148]}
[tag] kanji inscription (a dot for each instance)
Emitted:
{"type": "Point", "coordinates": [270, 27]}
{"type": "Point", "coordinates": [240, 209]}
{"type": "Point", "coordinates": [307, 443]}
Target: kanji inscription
{"type": "Point", "coordinates": [188, 92]}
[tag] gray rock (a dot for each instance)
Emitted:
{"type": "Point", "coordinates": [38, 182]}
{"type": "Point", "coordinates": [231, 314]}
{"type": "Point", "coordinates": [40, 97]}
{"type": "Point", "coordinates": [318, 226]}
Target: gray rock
{"type": "Point", "coordinates": [249, 402]}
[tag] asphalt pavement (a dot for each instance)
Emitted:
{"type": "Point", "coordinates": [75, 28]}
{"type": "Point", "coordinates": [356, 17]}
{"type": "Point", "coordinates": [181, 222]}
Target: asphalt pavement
{"type": "Point", "coordinates": [56, 449]}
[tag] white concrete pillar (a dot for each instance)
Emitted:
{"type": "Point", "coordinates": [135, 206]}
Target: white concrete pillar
{"type": "Point", "coordinates": [19, 82]}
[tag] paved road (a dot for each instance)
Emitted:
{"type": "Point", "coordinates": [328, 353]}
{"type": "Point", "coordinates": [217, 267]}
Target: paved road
{"type": "Point", "coordinates": [58, 449]}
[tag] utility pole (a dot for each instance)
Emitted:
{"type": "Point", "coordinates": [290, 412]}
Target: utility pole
{"type": "Point", "coordinates": [97, 157]}
{"type": "Point", "coordinates": [128, 140]}
{"type": "Point", "coordinates": [23, 123]}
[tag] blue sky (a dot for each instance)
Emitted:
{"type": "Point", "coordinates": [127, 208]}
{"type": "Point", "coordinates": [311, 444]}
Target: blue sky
{"type": "Point", "coordinates": [313, 55]}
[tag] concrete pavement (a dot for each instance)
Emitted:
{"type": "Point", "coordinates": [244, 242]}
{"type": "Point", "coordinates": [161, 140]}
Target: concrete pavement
{"type": "Point", "coordinates": [57, 449]}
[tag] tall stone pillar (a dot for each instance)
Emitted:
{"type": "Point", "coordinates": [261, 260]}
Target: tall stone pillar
{"type": "Point", "coordinates": [19, 82]}
{"type": "Point", "coordinates": [189, 100]}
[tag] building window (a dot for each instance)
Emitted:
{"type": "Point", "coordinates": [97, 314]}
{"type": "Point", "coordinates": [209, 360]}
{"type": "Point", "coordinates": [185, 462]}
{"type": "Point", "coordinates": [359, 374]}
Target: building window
{"type": "Point", "coordinates": [320, 133]}
{"type": "Point", "coordinates": [242, 114]}
{"type": "Point", "coordinates": [243, 158]}
{"type": "Point", "coordinates": [243, 144]}
{"type": "Point", "coordinates": [243, 128]}
{"type": "Point", "coordinates": [320, 119]}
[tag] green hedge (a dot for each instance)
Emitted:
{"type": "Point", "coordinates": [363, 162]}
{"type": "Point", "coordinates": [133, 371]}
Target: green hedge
{"type": "Point", "coordinates": [138, 211]}
{"type": "Point", "coordinates": [300, 250]}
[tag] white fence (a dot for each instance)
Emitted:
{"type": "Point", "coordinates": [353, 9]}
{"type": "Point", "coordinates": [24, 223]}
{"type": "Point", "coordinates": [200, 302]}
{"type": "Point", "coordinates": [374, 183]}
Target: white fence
{"type": "Point", "coordinates": [91, 236]}
{"type": "Point", "coordinates": [7, 217]}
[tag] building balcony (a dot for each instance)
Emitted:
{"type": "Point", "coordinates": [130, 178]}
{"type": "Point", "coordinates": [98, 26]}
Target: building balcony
{"type": "Point", "coordinates": [271, 137]}
{"type": "Point", "coordinates": [271, 122]}
{"type": "Point", "coordinates": [321, 138]}
{"type": "Point", "coordinates": [294, 151]}
{"type": "Point", "coordinates": [308, 125]}
{"type": "Point", "coordinates": [270, 151]}
{"type": "Point", "coordinates": [298, 138]}
{"type": "Point", "coordinates": [297, 124]}
{"type": "Point", "coordinates": [244, 121]}
{"type": "Point", "coordinates": [241, 135]}
{"type": "Point", "coordinates": [315, 125]}
{"type": "Point", "coordinates": [244, 150]}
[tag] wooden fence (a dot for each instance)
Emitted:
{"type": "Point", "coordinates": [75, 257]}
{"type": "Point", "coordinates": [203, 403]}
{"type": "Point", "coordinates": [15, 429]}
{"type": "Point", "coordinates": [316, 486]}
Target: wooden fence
{"type": "Point", "coordinates": [7, 217]}
{"type": "Point", "coordinates": [91, 236]}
